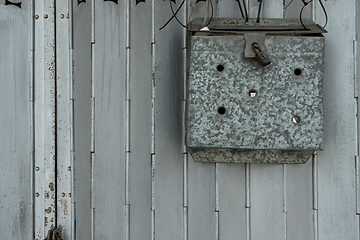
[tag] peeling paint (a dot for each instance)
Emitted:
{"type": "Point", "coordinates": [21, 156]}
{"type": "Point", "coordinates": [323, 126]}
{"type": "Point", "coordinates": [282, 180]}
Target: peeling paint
{"type": "Point", "coordinates": [64, 206]}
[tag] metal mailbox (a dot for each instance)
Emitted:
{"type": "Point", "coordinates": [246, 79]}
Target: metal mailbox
{"type": "Point", "coordinates": [241, 111]}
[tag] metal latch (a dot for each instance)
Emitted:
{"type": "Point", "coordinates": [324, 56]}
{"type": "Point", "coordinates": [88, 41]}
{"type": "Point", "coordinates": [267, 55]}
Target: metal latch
{"type": "Point", "coordinates": [255, 48]}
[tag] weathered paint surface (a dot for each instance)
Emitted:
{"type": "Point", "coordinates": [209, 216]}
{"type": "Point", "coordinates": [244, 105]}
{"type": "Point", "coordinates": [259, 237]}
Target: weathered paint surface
{"type": "Point", "coordinates": [15, 117]}
{"type": "Point", "coordinates": [133, 177]}
{"type": "Point", "coordinates": [44, 118]}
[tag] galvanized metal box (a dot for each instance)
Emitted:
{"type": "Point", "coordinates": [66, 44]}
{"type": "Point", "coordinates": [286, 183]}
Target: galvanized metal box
{"type": "Point", "coordinates": [240, 111]}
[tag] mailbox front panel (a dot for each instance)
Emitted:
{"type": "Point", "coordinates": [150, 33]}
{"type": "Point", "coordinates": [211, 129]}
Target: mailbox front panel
{"type": "Point", "coordinates": [235, 103]}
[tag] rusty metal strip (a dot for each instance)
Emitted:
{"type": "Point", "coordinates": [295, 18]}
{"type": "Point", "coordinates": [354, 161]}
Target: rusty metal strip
{"type": "Point", "coordinates": [45, 120]}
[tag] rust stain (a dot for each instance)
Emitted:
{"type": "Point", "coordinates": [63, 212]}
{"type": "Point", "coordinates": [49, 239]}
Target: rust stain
{"type": "Point", "coordinates": [48, 210]}
{"type": "Point", "coordinates": [64, 206]}
{"type": "Point", "coordinates": [51, 186]}
{"type": "Point", "coordinates": [46, 221]}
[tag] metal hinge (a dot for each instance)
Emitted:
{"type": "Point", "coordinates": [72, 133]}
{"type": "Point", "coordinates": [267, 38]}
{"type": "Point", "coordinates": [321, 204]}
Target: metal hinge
{"type": "Point", "coordinates": [53, 234]}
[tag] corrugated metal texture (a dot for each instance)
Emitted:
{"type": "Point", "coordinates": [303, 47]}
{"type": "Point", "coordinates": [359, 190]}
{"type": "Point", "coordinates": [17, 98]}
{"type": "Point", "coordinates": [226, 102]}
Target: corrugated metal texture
{"type": "Point", "coordinates": [15, 122]}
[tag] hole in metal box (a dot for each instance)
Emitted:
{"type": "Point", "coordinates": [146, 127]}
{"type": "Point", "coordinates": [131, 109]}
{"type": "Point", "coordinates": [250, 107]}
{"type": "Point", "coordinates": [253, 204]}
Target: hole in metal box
{"type": "Point", "coordinates": [220, 67]}
{"type": "Point", "coordinates": [221, 110]}
{"type": "Point", "coordinates": [298, 72]}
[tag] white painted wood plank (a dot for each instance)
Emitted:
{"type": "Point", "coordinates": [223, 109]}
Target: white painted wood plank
{"type": "Point", "coordinates": [299, 201]}
{"type": "Point", "coordinates": [267, 196]}
{"type": "Point", "coordinates": [232, 216]}
{"type": "Point", "coordinates": [109, 95]}
{"type": "Point", "coordinates": [168, 125]}
{"type": "Point", "coordinates": [63, 122]}
{"type": "Point", "coordinates": [201, 200]}
{"type": "Point", "coordinates": [81, 69]}
{"type": "Point", "coordinates": [140, 168]}
{"type": "Point", "coordinates": [15, 175]}
{"type": "Point", "coordinates": [336, 164]}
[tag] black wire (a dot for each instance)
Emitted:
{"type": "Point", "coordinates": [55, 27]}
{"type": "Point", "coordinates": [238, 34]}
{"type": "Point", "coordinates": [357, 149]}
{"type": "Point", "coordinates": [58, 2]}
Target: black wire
{"type": "Point", "coordinates": [288, 4]}
{"type": "Point", "coordinates": [212, 13]}
{"type": "Point", "coordinates": [258, 17]}
{"type": "Point", "coordinates": [242, 13]}
{"type": "Point", "coordinates": [326, 16]}
{"type": "Point", "coordinates": [182, 3]}
{"type": "Point", "coordinates": [172, 10]}
{"type": "Point", "coordinates": [246, 13]}
{"type": "Point", "coordinates": [301, 21]}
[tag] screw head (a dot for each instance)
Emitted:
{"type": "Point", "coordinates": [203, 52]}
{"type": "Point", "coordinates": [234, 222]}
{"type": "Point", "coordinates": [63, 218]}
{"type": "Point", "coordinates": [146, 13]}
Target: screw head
{"type": "Point", "coordinates": [63, 194]}
{"type": "Point", "coordinates": [62, 15]}
{"type": "Point", "coordinates": [37, 194]}
{"type": "Point", "coordinates": [36, 16]}
{"type": "Point", "coordinates": [37, 168]}
{"type": "Point", "coordinates": [46, 16]}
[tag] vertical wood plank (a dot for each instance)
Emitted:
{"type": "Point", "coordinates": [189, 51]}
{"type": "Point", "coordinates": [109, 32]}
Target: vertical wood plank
{"type": "Point", "coordinates": [336, 164]}
{"type": "Point", "coordinates": [267, 194]}
{"type": "Point", "coordinates": [15, 96]}
{"type": "Point", "coordinates": [140, 120]}
{"type": "Point", "coordinates": [232, 216]}
{"type": "Point", "coordinates": [299, 201]}
{"type": "Point", "coordinates": [201, 200]}
{"type": "Point", "coordinates": [81, 75]}
{"type": "Point", "coordinates": [109, 79]}
{"type": "Point", "coordinates": [168, 126]}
